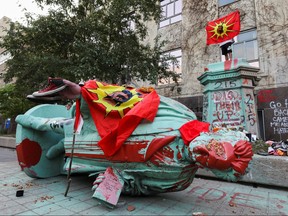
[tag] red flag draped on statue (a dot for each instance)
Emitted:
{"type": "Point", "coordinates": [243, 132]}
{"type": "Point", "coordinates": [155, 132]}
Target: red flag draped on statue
{"type": "Point", "coordinates": [223, 29]}
{"type": "Point", "coordinates": [115, 122]}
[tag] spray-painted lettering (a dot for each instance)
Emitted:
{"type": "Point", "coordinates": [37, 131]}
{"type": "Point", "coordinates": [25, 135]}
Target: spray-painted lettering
{"type": "Point", "coordinates": [250, 107]}
{"type": "Point", "coordinates": [227, 108]}
{"type": "Point", "coordinates": [265, 96]}
{"type": "Point", "coordinates": [279, 120]}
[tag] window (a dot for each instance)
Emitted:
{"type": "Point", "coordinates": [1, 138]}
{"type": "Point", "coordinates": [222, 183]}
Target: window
{"type": "Point", "coordinates": [173, 67]}
{"type": "Point", "coordinates": [171, 12]}
{"type": "Point", "coordinates": [246, 47]}
{"type": "Point", "coordinates": [4, 56]}
{"type": "Point", "coordinates": [225, 2]}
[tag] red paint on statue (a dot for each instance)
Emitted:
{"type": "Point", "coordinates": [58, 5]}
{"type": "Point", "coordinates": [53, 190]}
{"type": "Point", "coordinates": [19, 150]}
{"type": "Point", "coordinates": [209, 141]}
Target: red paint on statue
{"type": "Point", "coordinates": [222, 155]}
{"type": "Point", "coordinates": [28, 153]}
{"type": "Point", "coordinates": [158, 143]}
{"type": "Point", "coordinates": [215, 155]}
{"type": "Point", "coordinates": [235, 62]}
{"type": "Point", "coordinates": [228, 64]}
{"type": "Point", "coordinates": [185, 178]}
{"type": "Point", "coordinates": [131, 151]}
{"type": "Point", "coordinates": [244, 153]}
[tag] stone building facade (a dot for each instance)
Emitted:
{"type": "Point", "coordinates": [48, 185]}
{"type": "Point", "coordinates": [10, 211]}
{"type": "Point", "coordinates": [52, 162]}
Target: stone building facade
{"type": "Point", "coordinates": [4, 56]}
{"type": "Point", "coordinates": [263, 42]}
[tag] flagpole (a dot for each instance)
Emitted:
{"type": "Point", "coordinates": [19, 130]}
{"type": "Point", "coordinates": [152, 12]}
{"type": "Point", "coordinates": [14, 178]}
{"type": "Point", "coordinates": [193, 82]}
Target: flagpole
{"type": "Point", "coordinates": [75, 130]}
{"type": "Point", "coordinates": [70, 164]}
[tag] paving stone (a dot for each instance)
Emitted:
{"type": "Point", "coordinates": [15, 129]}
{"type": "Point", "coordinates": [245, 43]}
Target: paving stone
{"type": "Point", "coordinates": [211, 197]}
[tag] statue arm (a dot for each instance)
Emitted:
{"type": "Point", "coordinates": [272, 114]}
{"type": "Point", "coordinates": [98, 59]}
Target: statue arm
{"type": "Point", "coordinates": [42, 124]}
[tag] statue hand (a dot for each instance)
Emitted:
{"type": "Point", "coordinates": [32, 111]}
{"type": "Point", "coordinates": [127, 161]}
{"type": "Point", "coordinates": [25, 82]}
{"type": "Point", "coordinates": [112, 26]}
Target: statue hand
{"type": "Point", "coordinates": [72, 90]}
{"type": "Point", "coordinates": [215, 155]}
{"type": "Point", "coordinates": [98, 180]}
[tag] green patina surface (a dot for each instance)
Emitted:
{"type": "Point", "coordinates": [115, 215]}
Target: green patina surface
{"type": "Point", "coordinates": [169, 168]}
{"type": "Point", "coordinates": [228, 98]}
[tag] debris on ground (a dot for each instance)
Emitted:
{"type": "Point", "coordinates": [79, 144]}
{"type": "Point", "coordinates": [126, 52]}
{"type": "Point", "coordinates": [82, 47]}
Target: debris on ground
{"type": "Point", "coordinates": [131, 208]}
{"type": "Point", "coordinates": [274, 148]}
{"type": "Point", "coordinates": [43, 198]}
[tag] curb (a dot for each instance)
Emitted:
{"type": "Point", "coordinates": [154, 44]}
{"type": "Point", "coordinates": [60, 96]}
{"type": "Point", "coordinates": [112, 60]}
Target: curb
{"type": "Point", "coordinates": [8, 142]}
{"type": "Point", "coordinates": [266, 170]}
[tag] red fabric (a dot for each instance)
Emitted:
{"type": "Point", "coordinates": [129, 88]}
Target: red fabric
{"type": "Point", "coordinates": [231, 24]}
{"type": "Point", "coordinates": [192, 129]}
{"type": "Point", "coordinates": [111, 126]}
{"type": "Point", "coordinates": [146, 109]}
{"type": "Point", "coordinates": [77, 116]}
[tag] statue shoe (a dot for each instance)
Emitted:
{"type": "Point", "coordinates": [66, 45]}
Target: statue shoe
{"type": "Point", "coordinates": [54, 85]}
{"type": "Point", "coordinates": [45, 100]}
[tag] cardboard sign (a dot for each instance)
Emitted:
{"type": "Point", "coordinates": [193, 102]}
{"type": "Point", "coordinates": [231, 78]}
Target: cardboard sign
{"type": "Point", "coordinates": [109, 190]}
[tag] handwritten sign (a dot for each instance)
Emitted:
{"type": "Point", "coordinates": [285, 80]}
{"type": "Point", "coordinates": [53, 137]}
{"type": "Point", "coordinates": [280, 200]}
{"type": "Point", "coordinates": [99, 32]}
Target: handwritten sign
{"type": "Point", "coordinates": [109, 190]}
{"type": "Point", "coordinates": [279, 121]}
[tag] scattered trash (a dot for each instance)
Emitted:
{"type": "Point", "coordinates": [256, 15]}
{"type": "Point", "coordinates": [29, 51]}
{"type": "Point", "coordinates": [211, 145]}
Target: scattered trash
{"type": "Point", "coordinates": [121, 203]}
{"type": "Point", "coordinates": [262, 152]}
{"type": "Point", "coordinates": [277, 148]}
{"type": "Point", "coordinates": [19, 193]}
{"type": "Point", "coordinates": [131, 208]}
{"type": "Point", "coordinates": [232, 204]}
{"type": "Point", "coordinates": [274, 148]}
{"type": "Point", "coordinates": [43, 198]}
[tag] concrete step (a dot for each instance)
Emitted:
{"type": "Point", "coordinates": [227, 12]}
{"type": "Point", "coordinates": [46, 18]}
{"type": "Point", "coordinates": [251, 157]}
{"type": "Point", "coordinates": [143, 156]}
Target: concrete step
{"type": "Point", "coordinates": [7, 142]}
{"type": "Point", "coordinates": [267, 170]}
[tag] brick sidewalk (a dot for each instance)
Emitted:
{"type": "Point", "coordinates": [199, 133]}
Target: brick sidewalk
{"type": "Point", "coordinates": [46, 197]}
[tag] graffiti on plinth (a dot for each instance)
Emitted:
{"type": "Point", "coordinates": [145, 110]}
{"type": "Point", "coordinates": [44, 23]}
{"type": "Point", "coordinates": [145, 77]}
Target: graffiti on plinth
{"type": "Point", "coordinates": [205, 107]}
{"type": "Point", "coordinates": [227, 108]}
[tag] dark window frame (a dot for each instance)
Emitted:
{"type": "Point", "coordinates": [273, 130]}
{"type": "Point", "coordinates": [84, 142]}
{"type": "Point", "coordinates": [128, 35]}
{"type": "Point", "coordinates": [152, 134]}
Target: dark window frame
{"type": "Point", "coordinates": [168, 20]}
{"type": "Point", "coordinates": [170, 81]}
{"type": "Point", "coordinates": [222, 3]}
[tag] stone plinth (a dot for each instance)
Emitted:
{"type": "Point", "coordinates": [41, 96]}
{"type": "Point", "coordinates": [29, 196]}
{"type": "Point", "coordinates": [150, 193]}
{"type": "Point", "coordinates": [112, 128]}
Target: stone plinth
{"type": "Point", "coordinates": [228, 95]}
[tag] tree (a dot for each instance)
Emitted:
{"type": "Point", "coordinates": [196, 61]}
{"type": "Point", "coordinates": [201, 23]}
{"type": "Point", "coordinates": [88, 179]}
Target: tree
{"type": "Point", "coordinates": [92, 39]}
{"type": "Point", "coordinates": [12, 102]}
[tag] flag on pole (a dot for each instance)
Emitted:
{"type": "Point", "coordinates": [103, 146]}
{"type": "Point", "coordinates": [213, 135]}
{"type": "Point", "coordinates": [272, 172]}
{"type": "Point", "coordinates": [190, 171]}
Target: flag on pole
{"type": "Point", "coordinates": [223, 29]}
